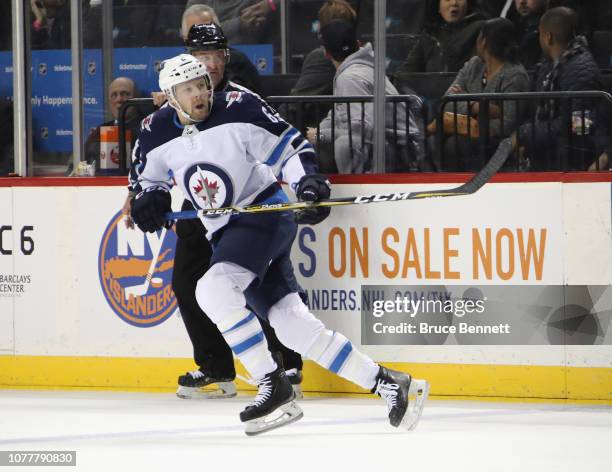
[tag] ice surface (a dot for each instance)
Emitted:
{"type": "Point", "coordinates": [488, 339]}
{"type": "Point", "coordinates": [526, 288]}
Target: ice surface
{"type": "Point", "coordinates": [130, 431]}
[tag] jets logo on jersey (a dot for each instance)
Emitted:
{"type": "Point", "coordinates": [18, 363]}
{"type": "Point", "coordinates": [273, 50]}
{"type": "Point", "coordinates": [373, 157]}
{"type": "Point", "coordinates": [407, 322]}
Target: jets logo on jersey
{"type": "Point", "coordinates": [233, 97]}
{"type": "Point", "coordinates": [207, 191]}
{"type": "Point", "coordinates": [135, 271]}
{"type": "Point", "coordinates": [209, 186]}
{"type": "Point", "coordinates": [146, 123]}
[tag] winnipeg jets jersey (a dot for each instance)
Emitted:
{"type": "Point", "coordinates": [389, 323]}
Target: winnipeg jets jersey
{"type": "Point", "coordinates": [231, 158]}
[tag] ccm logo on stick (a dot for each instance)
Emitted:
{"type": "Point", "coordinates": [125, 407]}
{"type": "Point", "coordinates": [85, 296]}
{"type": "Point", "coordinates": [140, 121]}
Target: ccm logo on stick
{"type": "Point", "coordinates": [383, 197]}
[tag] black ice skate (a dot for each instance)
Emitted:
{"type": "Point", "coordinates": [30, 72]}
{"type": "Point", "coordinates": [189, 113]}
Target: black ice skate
{"type": "Point", "coordinates": [193, 385]}
{"type": "Point", "coordinates": [294, 375]}
{"type": "Point", "coordinates": [295, 379]}
{"type": "Point", "coordinates": [404, 395]}
{"type": "Point", "coordinates": [273, 407]}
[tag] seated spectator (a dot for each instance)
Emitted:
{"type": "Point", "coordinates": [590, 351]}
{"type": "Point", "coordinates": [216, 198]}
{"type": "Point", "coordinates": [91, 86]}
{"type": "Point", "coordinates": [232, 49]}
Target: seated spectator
{"type": "Point", "coordinates": [237, 67]}
{"type": "Point", "coordinates": [317, 75]}
{"type": "Point", "coordinates": [494, 70]}
{"type": "Point", "coordinates": [353, 138]}
{"type": "Point", "coordinates": [51, 24]}
{"type": "Point", "coordinates": [244, 21]}
{"type": "Point", "coordinates": [526, 14]}
{"type": "Point", "coordinates": [120, 91]}
{"type": "Point", "coordinates": [448, 41]}
{"type": "Point", "coordinates": [570, 67]}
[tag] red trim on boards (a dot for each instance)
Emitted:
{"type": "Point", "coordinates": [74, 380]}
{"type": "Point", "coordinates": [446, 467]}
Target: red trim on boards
{"type": "Point", "coordinates": [415, 178]}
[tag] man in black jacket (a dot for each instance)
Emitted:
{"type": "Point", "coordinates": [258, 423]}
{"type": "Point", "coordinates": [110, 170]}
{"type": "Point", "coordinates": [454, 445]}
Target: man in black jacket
{"type": "Point", "coordinates": [569, 67]}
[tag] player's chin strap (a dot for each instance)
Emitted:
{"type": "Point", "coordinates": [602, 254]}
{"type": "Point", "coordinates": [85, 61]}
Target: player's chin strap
{"type": "Point", "coordinates": [471, 186]}
{"type": "Point", "coordinates": [182, 112]}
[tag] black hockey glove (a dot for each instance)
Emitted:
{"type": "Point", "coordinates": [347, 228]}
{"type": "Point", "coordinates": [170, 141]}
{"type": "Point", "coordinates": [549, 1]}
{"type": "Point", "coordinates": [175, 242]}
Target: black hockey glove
{"type": "Point", "coordinates": [149, 208]}
{"type": "Point", "coordinates": [312, 188]}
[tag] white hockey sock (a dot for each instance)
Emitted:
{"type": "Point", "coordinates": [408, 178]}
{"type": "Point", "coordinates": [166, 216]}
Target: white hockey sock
{"type": "Point", "coordinates": [244, 335]}
{"type": "Point", "coordinates": [220, 295]}
{"type": "Point", "coordinates": [301, 331]}
{"type": "Point", "coordinates": [336, 353]}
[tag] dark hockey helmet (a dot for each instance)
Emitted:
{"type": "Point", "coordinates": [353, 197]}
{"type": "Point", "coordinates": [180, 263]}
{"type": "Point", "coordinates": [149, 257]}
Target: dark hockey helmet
{"type": "Point", "coordinates": [208, 37]}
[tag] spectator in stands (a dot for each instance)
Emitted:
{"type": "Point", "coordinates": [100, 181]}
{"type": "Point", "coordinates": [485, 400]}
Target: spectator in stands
{"type": "Point", "coordinates": [120, 91]}
{"type": "Point", "coordinates": [570, 67]}
{"type": "Point", "coordinates": [494, 70]}
{"type": "Point", "coordinates": [317, 75]}
{"type": "Point", "coordinates": [526, 15]}
{"type": "Point", "coordinates": [448, 40]}
{"type": "Point", "coordinates": [6, 136]}
{"type": "Point", "coordinates": [243, 21]}
{"type": "Point", "coordinates": [51, 24]}
{"type": "Point", "coordinates": [238, 68]}
{"type": "Point", "coordinates": [353, 139]}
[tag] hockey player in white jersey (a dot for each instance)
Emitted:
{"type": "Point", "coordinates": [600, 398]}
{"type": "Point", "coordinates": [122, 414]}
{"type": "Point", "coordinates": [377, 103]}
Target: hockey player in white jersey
{"type": "Point", "coordinates": [214, 147]}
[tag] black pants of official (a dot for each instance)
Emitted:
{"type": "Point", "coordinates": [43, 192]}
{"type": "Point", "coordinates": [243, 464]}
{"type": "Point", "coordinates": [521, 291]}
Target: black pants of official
{"type": "Point", "coordinates": [210, 351]}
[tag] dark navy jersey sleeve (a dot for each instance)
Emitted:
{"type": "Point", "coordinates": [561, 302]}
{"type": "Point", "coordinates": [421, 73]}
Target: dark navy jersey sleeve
{"type": "Point", "coordinates": [155, 130]}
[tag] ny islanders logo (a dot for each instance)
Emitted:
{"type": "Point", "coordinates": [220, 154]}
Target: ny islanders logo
{"type": "Point", "coordinates": [135, 271]}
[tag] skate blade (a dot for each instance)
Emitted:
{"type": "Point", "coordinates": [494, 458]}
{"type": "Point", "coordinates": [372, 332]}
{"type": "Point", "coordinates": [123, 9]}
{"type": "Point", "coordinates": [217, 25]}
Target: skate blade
{"type": "Point", "coordinates": [224, 390]}
{"type": "Point", "coordinates": [417, 395]}
{"type": "Point", "coordinates": [289, 413]}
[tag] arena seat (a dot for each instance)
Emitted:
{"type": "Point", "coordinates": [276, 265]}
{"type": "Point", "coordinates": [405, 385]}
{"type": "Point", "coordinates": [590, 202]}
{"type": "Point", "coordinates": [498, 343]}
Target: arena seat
{"type": "Point", "coordinates": [302, 39]}
{"type": "Point", "coordinates": [167, 25]}
{"type": "Point", "coordinates": [134, 25]}
{"type": "Point", "coordinates": [602, 48]}
{"type": "Point", "coordinates": [431, 85]}
{"type": "Point", "coordinates": [278, 84]}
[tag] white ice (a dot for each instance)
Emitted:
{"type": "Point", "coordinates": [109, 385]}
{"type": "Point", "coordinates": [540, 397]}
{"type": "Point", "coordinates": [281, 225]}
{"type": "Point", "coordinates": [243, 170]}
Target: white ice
{"type": "Point", "coordinates": [116, 431]}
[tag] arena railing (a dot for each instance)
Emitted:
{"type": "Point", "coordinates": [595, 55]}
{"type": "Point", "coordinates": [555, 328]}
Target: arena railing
{"type": "Point", "coordinates": [297, 110]}
{"type": "Point", "coordinates": [583, 130]}
{"type": "Point", "coordinates": [404, 137]}
{"type": "Point", "coordinates": [435, 153]}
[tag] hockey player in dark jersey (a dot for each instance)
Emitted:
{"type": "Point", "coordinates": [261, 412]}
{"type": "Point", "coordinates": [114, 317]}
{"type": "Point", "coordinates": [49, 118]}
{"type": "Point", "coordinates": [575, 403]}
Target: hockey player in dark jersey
{"type": "Point", "coordinates": [192, 259]}
{"type": "Point", "coordinates": [228, 151]}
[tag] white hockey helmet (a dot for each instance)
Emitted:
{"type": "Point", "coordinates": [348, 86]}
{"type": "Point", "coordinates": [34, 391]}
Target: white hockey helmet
{"type": "Point", "coordinates": [180, 69]}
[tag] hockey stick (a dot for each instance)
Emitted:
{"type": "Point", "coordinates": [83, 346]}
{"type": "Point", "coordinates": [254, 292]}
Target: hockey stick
{"type": "Point", "coordinates": [141, 289]}
{"type": "Point", "coordinates": [471, 186]}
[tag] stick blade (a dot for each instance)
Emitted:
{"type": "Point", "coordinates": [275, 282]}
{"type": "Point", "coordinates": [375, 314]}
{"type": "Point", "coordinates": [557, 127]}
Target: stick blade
{"type": "Point", "coordinates": [478, 181]}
